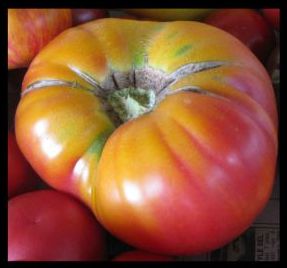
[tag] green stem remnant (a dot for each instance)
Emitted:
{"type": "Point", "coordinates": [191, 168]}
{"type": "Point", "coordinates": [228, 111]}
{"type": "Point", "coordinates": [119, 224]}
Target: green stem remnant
{"type": "Point", "coordinates": [130, 103]}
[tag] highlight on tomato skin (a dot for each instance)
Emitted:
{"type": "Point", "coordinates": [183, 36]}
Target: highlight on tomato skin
{"type": "Point", "coordinates": [169, 137]}
{"type": "Point", "coordinates": [139, 256]}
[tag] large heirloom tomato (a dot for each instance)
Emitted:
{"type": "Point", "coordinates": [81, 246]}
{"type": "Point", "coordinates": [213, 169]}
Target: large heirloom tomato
{"type": "Point", "coordinates": [29, 30]}
{"type": "Point", "coordinates": [168, 131]}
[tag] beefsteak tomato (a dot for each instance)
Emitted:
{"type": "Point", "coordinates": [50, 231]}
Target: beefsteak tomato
{"type": "Point", "coordinates": [29, 30]}
{"type": "Point", "coordinates": [168, 131]}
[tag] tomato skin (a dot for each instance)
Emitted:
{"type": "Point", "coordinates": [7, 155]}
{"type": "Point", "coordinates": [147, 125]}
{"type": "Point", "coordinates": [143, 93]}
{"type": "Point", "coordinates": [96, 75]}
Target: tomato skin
{"type": "Point", "coordinates": [248, 26]}
{"type": "Point", "coordinates": [178, 174]}
{"type": "Point", "coordinates": [47, 225]}
{"type": "Point", "coordinates": [29, 30]}
{"type": "Point", "coordinates": [273, 16]}
{"type": "Point", "coordinates": [61, 156]}
{"type": "Point", "coordinates": [83, 15]}
{"type": "Point", "coordinates": [21, 177]}
{"type": "Point", "coordinates": [139, 255]}
{"type": "Point", "coordinates": [187, 177]}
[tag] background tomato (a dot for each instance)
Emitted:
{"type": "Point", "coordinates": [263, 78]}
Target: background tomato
{"type": "Point", "coordinates": [273, 16]}
{"type": "Point", "coordinates": [21, 176]}
{"type": "Point", "coordinates": [29, 30]}
{"type": "Point", "coordinates": [169, 14]}
{"type": "Point", "coordinates": [82, 15]}
{"type": "Point", "coordinates": [50, 226]}
{"type": "Point", "coordinates": [15, 78]}
{"type": "Point", "coordinates": [139, 255]}
{"type": "Point", "coordinates": [248, 26]}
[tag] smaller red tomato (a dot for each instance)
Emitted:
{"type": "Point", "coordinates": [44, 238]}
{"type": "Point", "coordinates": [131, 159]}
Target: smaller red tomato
{"type": "Point", "coordinates": [83, 15]}
{"type": "Point", "coordinates": [139, 255]}
{"type": "Point", "coordinates": [21, 177]}
{"type": "Point", "coordinates": [47, 225]}
{"type": "Point", "coordinates": [273, 16]}
{"type": "Point", "coordinates": [248, 26]}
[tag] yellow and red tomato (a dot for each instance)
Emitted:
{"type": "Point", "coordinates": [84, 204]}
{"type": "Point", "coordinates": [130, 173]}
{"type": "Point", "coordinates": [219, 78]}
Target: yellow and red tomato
{"type": "Point", "coordinates": [168, 131]}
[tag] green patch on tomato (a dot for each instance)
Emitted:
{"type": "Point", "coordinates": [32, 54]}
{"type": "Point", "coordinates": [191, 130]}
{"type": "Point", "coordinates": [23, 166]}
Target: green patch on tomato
{"type": "Point", "coordinates": [99, 142]}
{"type": "Point", "coordinates": [182, 50]}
